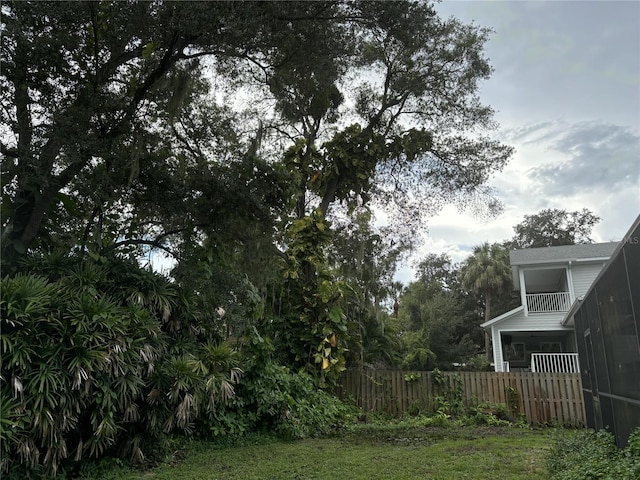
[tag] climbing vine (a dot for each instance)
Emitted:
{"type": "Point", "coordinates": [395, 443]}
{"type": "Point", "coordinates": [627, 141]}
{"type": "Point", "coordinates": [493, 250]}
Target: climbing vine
{"type": "Point", "coordinates": [314, 324]}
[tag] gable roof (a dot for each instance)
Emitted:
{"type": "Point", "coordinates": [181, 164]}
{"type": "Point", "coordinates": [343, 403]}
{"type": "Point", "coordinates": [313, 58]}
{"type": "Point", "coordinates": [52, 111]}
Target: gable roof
{"type": "Point", "coordinates": [563, 253]}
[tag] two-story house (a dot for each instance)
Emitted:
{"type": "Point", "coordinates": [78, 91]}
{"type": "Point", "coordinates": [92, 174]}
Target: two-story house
{"type": "Point", "coordinates": [537, 336]}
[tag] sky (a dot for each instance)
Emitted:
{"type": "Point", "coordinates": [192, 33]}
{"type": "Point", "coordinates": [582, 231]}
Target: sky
{"type": "Point", "coordinates": [566, 91]}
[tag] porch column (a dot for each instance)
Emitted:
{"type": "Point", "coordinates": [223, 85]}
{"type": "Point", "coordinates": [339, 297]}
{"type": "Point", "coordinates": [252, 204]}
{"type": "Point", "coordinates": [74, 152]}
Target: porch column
{"type": "Point", "coordinates": [497, 350]}
{"type": "Point", "coordinates": [569, 275]}
{"type": "Point", "coordinates": [523, 292]}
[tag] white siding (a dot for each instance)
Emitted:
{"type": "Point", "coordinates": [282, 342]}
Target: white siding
{"type": "Point", "coordinates": [532, 323]}
{"type": "Point", "coordinates": [583, 276]}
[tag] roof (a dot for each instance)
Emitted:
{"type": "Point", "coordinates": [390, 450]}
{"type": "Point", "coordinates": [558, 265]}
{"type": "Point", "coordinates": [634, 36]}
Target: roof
{"type": "Point", "coordinates": [563, 253]}
{"type": "Point", "coordinates": [502, 317]}
{"type": "Point", "coordinates": [568, 317]}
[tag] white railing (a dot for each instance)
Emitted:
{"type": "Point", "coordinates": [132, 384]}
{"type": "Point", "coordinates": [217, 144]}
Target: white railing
{"type": "Point", "coordinates": [548, 302]}
{"type": "Point", "coordinates": [555, 362]}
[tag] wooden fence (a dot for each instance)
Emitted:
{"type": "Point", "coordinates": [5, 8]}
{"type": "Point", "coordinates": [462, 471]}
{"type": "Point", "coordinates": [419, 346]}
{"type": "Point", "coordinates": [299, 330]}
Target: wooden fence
{"type": "Point", "coordinates": [543, 398]}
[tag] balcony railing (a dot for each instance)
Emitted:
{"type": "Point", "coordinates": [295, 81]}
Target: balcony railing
{"type": "Point", "coordinates": [555, 362]}
{"type": "Point", "coordinates": [548, 302]}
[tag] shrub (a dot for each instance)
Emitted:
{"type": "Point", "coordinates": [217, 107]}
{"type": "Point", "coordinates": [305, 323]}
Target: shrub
{"type": "Point", "coordinates": [103, 358]}
{"type": "Point", "coordinates": [100, 357]}
{"type": "Point", "coordinates": [73, 367]}
{"type": "Point", "coordinates": [478, 363]}
{"type": "Point", "coordinates": [274, 399]}
{"type": "Point", "coordinates": [586, 454]}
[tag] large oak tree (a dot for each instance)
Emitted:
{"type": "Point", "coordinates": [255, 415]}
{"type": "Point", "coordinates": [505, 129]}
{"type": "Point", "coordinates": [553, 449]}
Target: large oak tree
{"type": "Point", "coordinates": [238, 131]}
{"type": "Point", "coordinates": [378, 100]}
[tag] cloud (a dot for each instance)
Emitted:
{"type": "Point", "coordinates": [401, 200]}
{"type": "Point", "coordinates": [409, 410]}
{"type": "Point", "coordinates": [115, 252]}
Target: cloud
{"type": "Point", "coordinates": [596, 156]}
{"type": "Point", "coordinates": [577, 59]}
{"type": "Point", "coordinates": [618, 214]}
{"type": "Point", "coordinates": [566, 89]}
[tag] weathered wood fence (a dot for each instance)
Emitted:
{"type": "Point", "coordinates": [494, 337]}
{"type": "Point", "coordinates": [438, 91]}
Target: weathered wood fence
{"type": "Point", "coordinates": [542, 397]}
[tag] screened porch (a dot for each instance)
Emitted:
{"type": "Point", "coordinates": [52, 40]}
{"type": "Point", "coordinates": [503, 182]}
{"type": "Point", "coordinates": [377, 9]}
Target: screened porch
{"type": "Point", "coordinates": [550, 352]}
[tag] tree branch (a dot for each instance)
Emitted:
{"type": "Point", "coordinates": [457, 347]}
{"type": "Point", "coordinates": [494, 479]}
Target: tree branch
{"type": "Point", "coordinates": [134, 241]}
{"type": "Point", "coordinates": [8, 152]}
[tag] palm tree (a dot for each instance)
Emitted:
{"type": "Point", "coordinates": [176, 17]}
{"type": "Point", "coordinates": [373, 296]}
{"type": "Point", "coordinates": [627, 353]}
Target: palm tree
{"type": "Point", "coordinates": [487, 273]}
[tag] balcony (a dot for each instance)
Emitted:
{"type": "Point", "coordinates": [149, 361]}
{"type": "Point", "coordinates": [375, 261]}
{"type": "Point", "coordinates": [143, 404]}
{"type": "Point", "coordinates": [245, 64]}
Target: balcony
{"type": "Point", "coordinates": [555, 362]}
{"type": "Point", "coordinates": [548, 302]}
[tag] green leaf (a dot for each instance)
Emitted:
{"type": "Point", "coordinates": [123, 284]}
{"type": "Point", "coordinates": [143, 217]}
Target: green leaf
{"type": "Point", "coordinates": [335, 314]}
{"type": "Point", "coordinates": [148, 50]}
{"type": "Point", "coordinates": [68, 203]}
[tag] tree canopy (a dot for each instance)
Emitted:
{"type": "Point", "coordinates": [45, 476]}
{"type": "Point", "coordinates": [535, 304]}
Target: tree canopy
{"type": "Point", "coordinates": [553, 227]}
{"type": "Point", "coordinates": [237, 138]}
{"type": "Point", "coordinates": [117, 108]}
{"type": "Point", "coordinates": [439, 318]}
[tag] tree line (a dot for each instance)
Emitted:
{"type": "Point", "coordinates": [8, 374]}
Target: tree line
{"type": "Point", "coordinates": [442, 310]}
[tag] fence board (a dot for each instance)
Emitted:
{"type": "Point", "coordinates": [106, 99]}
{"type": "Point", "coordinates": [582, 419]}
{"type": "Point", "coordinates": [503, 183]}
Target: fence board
{"type": "Point", "coordinates": [541, 397]}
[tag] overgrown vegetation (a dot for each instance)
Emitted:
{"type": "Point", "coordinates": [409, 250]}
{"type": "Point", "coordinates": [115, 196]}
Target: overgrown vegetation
{"type": "Point", "coordinates": [448, 408]}
{"type": "Point", "coordinates": [101, 357]}
{"type": "Point", "coordinates": [585, 454]}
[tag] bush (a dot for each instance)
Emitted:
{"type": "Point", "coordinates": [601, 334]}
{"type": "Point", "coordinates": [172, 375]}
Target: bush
{"type": "Point", "coordinates": [73, 368]}
{"type": "Point", "coordinates": [100, 357]}
{"type": "Point", "coordinates": [274, 399]}
{"type": "Point", "coordinates": [585, 455]}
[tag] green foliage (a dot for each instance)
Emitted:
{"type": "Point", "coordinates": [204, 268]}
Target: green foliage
{"type": "Point", "coordinates": [365, 259]}
{"type": "Point", "coordinates": [116, 146]}
{"type": "Point", "coordinates": [438, 322]}
{"type": "Point", "coordinates": [585, 455]}
{"type": "Point", "coordinates": [312, 325]}
{"type": "Point", "coordinates": [553, 227]}
{"type": "Point", "coordinates": [101, 359]}
{"type": "Point", "coordinates": [512, 399]}
{"type": "Point", "coordinates": [488, 414]}
{"type": "Point", "coordinates": [273, 399]}
{"type": "Point", "coordinates": [117, 143]}
{"type": "Point", "coordinates": [487, 270]}
{"type": "Point", "coordinates": [412, 377]}
{"type": "Point", "coordinates": [447, 411]}
{"type": "Point", "coordinates": [74, 365]}
{"type": "Point", "coordinates": [478, 363]}
{"type": "Point", "coordinates": [142, 134]}
{"type": "Point", "coordinates": [487, 273]}
{"type": "Point", "coordinates": [449, 397]}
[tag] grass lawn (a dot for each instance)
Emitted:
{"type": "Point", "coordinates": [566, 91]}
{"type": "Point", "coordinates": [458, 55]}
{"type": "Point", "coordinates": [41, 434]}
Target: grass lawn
{"type": "Point", "coordinates": [371, 453]}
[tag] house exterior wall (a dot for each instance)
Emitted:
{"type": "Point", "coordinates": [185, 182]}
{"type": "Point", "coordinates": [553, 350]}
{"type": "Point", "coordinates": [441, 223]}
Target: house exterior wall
{"type": "Point", "coordinates": [583, 277]}
{"type": "Point", "coordinates": [543, 269]}
{"type": "Point", "coordinates": [533, 322]}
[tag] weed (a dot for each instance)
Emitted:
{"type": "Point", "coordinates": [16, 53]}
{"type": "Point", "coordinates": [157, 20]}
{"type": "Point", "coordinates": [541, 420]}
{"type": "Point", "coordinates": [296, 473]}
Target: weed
{"type": "Point", "coordinates": [586, 454]}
